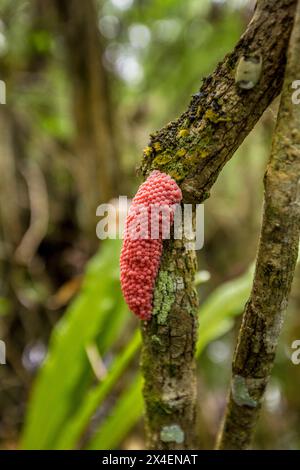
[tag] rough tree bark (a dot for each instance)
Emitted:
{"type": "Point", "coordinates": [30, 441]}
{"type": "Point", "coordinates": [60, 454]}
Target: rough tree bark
{"type": "Point", "coordinates": [275, 266]}
{"type": "Point", "coordinates": [193, 150]}
{"type": "Point", "coordinates": [168, 352]}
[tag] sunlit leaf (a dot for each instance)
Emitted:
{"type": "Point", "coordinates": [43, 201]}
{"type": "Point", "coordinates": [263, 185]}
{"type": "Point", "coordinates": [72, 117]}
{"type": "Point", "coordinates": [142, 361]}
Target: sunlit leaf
{"type": "Point", "coordinates": [79, 421]}
{"type": "Point", "coordinates": [124, 415]}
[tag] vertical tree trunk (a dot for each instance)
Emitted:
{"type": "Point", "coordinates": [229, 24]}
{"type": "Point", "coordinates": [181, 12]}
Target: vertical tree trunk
{"type": "Point", "coordinates": [275, 265]}
{"type": "Point", "coordinates": [168, 360]}
{"type": "Point", "coordinates": [97, 166]}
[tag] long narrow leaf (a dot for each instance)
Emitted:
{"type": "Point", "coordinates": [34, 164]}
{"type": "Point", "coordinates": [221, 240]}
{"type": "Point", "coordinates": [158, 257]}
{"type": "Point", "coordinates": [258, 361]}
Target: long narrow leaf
{"type": "Point", "coordinates": [75, 426]}
{"type": "Point", "coordinates": [124, 416]}
{"type": "Point", "coordinates": [62, 381]}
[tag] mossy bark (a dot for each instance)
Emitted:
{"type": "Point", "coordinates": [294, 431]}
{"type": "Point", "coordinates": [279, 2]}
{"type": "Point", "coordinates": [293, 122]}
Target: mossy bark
{"type": "Point", "coordinates": [193, 150]}
{"type": "Point", "coordinates": [275, 266]}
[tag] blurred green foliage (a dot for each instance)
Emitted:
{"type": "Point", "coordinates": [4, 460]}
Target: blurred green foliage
{"type": "Point", "coordinates": [65, 399]}
{"type": "Point", "coordinates": [96, 316]}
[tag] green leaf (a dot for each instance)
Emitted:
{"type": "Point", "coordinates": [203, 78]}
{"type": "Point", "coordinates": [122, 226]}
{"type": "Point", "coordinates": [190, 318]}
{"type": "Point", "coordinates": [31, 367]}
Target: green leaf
{"type": "Point", "coordinates": [63, 380]}
{"type": "Point", "coordinates": [79, 421]}
{"type": "Point", "coordinates": [216, 314]}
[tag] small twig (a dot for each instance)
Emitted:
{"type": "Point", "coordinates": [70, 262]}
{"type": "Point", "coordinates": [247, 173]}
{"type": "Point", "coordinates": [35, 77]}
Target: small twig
{"type": "Point", "coordinates": [39, 214]}
{"type": "Point", "coordinates": [96, 362]}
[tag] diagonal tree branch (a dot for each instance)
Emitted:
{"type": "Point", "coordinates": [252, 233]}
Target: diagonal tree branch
{"type": "Point", "coordinates": [193, 150]}
{"type": "Point", "coordinates": [275, 266]}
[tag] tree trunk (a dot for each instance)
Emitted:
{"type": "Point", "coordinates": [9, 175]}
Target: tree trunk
{"type": "Point", "coordinates": [168, 360]}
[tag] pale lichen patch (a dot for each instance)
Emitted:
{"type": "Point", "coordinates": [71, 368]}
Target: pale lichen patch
{"type": "Point", "coordinates": [172, 433]}
{"type": "Point", "coordinates": [164, 296]}
{"type": "Point", "coordinates": [240, 392]}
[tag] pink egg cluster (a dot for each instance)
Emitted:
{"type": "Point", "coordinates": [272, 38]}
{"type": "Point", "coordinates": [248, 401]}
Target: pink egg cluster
{"type": "Point", "coordinates": [142, 246]}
